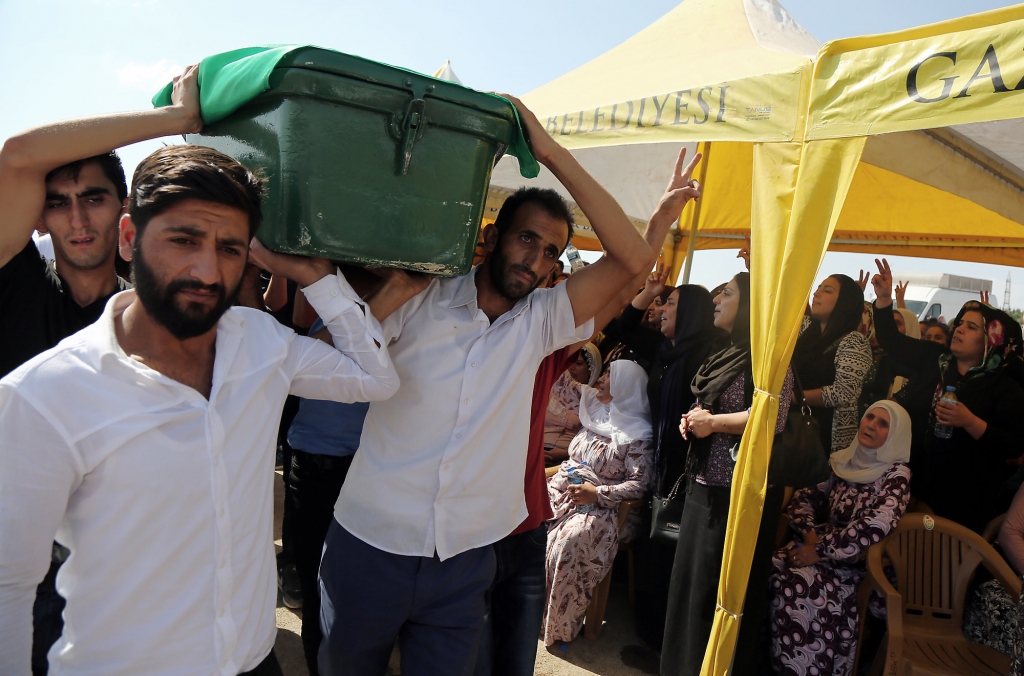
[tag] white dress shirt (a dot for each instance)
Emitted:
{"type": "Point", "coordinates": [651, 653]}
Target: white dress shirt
{"type": "Point", "coordinates": [164, 498]}
{"type": "Point", "coordinates": [440, 465]}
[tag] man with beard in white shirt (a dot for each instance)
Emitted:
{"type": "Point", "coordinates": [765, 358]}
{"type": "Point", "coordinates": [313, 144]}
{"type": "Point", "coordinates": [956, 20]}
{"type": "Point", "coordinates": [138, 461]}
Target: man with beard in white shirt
{"type": "Point", "coordinates": [145, 442]}
{"type": "Point", "coordinates": [438, 476]}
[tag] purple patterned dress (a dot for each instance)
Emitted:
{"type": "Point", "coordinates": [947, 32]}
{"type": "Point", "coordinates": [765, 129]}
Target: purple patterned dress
{"type": "Point", "coordinates": [813, 609]}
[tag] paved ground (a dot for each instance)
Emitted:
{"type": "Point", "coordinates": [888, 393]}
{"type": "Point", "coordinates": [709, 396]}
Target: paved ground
{"type": "Point", "coordinates": [614, 654]}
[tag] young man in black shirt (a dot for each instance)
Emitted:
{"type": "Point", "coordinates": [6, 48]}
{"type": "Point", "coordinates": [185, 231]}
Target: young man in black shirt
{"type": "Point", "coordinates": [46, 185]}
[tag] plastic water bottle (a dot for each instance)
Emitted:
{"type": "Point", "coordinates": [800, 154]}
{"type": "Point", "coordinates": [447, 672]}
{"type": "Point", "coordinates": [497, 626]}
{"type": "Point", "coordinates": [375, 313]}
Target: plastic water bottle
{"type": "Point", "coordinates": [945, 431]}
{"type": "Point", "coordinates": [573, 254]}
{"type": "Point", "coordinates": [576, 479]}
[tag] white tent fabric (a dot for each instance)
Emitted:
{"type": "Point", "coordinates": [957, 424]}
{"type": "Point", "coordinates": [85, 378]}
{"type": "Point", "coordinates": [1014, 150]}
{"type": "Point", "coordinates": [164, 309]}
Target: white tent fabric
{"type": "Point", "coordinates": [636, 173]}
{"type": "Point", "coordinates": [445, 72]}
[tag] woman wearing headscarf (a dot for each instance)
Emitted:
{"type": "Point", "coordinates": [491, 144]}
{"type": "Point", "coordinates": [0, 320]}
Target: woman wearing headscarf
{"type": "Point", "coordinates": [832, 359]}
{"type": "Point", "coordinates": [723, 391]}
{"type": "Point", "coordinates": [636, 333]}
{"type": "Point", "coordinates": [612, 454]}
{"type": "Point", "coordinates": [562, 418]}
{"type": "Point", "coordinates": [688, 337]}
{"type": "Point", "coordinates": [814, 580]}
{"type": "Point", "coordinates": [959, 477]}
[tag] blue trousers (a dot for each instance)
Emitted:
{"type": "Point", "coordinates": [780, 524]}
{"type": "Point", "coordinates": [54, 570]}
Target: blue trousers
{"type": "Point", "coordinates": [369, 598]}
{"type": "Point", "coordinates": [508, 645]}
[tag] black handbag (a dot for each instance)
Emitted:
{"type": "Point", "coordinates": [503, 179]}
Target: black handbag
{"type": "Point", "coordinates": [798, 458]}
{"type": "Point", "coordinates": [666, 513]}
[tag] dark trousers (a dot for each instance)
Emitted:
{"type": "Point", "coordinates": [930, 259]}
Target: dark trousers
{"type": "Point", "coordinates": [370, 598]}
{"type": "Point", "coordinates": [508, 643]}
{"type": "Point", "coordinates": [693, 589]}
{"type": "Point", "coordinates": [268, 667]}
{"type": "Point", "coordinates": [314, 484]}
{"type": "Point", "coordinates": [47, 617]}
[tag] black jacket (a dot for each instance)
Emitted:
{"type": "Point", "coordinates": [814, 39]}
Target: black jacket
{"type": "Point", "coordinates": [959, 477]}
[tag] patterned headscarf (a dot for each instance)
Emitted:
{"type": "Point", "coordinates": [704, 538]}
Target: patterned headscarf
{"type": "Point", "coordinates": [1004, 349]}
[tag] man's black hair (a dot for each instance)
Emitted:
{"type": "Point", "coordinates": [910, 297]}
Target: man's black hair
{"type": "Point", "coordinates": [546, 198]}
{"type": "Point", "coordinates": [177, 173]}
{"type": "Point", "coordinates": [109, 163]}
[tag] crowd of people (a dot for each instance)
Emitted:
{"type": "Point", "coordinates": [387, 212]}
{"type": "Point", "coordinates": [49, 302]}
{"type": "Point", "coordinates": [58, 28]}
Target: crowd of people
{"type": "Point", "coordinates": [456, 450]}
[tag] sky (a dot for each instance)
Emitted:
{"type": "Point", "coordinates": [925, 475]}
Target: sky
{"type": "Point", "coordinates": [68, 58]}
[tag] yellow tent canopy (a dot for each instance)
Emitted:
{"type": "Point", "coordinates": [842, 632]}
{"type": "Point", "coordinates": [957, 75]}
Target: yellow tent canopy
{"type": "Point", "coordinates": [906, 143]}
{"type": "Point", "coordinates": [729, 72]}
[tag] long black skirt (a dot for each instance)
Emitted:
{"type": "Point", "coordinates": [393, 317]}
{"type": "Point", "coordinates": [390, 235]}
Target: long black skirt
{"type": "Point", "coordinates": [693, 587]}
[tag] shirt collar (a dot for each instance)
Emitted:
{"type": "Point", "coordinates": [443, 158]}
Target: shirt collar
{"type": "Point", "coordinates": [465, 291]}
{"type": "Point", "coordinates": [101, 338]}
{"type": "Point", "coordinates": [465, 296]}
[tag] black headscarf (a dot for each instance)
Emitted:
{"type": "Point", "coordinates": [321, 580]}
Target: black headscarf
{"type": "Point", "coordinates": [675, 365]}
{"type": "Point", "coordinates": [721, 370]}
{"type": "Point", "coordinates": [846, 317]}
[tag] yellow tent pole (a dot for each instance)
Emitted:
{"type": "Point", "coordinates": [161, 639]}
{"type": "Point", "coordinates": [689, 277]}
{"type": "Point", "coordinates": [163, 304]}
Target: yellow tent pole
{"type": "Point", "coordinates": [695, 215]}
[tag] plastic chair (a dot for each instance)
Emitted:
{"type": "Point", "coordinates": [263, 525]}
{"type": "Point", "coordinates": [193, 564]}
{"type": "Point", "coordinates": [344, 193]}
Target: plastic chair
{"type": "Point", "coordinates": [991, 532]}
{"type": "Point", "coordinates": [934, 560]}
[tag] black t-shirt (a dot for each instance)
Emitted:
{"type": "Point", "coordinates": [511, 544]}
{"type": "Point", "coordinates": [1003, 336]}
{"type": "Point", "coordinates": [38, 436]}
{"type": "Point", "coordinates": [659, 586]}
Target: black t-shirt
{"type": "Point", "coordinates": [38, 309]}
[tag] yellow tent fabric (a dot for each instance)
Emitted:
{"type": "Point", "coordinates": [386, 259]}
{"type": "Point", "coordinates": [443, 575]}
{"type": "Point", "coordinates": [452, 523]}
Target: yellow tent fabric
{"type": "Point", "coordinates": [808, 185]}
{"type": "Point", "coordinates": [797, 172]}
{"type": "Point", "coordinates": [958, 175]}
{"type": "Point", "coordinates": [826, 170]}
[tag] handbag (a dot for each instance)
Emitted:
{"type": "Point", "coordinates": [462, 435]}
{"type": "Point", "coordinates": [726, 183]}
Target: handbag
{"type": "Point", "coordinates": [666, 513]}
{"type": "Point", "coordinates": [798, 458]}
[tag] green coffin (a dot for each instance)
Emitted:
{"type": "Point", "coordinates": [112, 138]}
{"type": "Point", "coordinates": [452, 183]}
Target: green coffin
{"type": "Point", "coordinates": [366, 163]}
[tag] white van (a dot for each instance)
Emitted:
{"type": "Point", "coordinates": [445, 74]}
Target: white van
{"type": "Point", "coordinates": [934, 294]}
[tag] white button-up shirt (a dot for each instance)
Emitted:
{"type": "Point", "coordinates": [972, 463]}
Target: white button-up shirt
{"type": "Point", "coordinates": [163, 497]}
{"type": "Point", "coordinates": [440, 465]}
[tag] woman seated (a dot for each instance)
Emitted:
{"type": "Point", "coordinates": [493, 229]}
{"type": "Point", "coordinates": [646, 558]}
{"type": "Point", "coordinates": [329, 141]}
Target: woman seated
{"type": "Point", "coordinates": [583, 536]}
{"type": "Point", "coordinates": [813, 585]}
{"type": "Point", "coordinates": [562, 420]}
{"type": "Point", "coordinates": [959, 473]}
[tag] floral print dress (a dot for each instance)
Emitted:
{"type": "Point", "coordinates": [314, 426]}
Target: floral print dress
{"type": "Point", "coordinates": [582, 546]}
{"type": "Point", "coordinates": [813, 609]}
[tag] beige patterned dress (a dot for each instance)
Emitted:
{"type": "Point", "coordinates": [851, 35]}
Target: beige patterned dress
{"type": "Point", "coordinates": [581, 547]}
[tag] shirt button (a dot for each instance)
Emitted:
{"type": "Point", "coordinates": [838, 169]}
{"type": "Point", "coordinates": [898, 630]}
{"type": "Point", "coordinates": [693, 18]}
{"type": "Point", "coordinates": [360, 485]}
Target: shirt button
{"type": "Point", "coordinates": [439, 501]}
{"type": "Point", "coordinates": [466, 400]}
{"type": "Point", "coordinates": [446, 465]}
{"type": "Point", "coordinates": [459, 435]}
{"type": "Point", "coordinates": [334, 293]}
{"type": "Point", "coordinates": [473, 365]}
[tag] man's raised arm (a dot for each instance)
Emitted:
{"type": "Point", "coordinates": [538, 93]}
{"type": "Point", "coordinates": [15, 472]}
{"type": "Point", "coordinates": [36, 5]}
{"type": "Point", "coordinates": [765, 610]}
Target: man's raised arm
{"type": "Point", "coordinates": [627, 255]}
{"type": "Point", "coordinates": [26, 158]}
{"type": "Point", "coordinates": [681, 189]}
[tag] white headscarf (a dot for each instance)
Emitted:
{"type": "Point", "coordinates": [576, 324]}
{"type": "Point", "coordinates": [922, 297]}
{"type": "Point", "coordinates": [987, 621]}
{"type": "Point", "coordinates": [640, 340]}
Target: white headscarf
{"type": "Point", "coordinates": [861, 465]}
{"type": "Point", "coordinates": [912, 322]}
{"type": "Point", "coordinates": [628, 416]}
